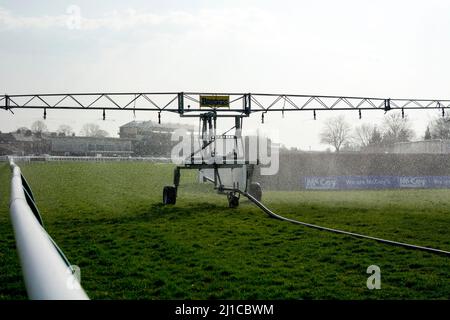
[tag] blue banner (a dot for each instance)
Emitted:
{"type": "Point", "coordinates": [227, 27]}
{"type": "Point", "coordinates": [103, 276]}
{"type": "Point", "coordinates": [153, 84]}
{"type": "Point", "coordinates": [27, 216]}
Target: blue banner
{"type": "Point", "coordinates": [375, 182]}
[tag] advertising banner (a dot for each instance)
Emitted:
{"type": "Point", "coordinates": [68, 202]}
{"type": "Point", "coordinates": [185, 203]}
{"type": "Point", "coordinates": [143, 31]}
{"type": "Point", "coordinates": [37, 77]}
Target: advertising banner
{"type": "Point", "coordinates": [375, 182]}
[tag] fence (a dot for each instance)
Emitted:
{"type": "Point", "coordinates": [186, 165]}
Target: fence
{"type": "Point", "coordinates": [90, 159]}
{"type": "Point", "coordinates": [367, 170]}
{"type": "Point", "coordinates": [47, 273]}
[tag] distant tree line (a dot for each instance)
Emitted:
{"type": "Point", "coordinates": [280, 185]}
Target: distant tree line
{"type": "Point", "coordinates": [339, 134]}
{"type": "Point", "coordinates": [93, 130]}
{"type": "Point", "coordinates": [88, 130]}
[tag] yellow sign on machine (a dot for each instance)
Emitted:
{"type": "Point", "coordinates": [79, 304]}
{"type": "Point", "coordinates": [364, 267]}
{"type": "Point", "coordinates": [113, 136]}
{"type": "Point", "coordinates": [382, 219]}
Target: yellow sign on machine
{"type": "Point", "coordinates": [214, 101]}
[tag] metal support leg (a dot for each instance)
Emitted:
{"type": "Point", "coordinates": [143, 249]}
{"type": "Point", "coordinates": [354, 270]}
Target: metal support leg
{"type": "Point", "coordinates": [176, 177]}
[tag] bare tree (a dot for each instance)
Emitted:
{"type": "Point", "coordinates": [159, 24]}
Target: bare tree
{"type": "Point", "coordinates": [39, 127]}
{"type": "Point", "coordinates": [362, 134]}
{"type": "Point", "coordinates": [93, 130]}
{"type": "Point", "coordinates": [336, 132]}
{"type": "Point", "coordinates": [65, 130]}
{"type": "Point", "coordinates": [396, 129]}
{"type": "Point", "coordinates": [427, 135]}
{"type": "Point", "coordinates": [22, 130]}
{"type": "Point", "coordinates": [25, 131]}
{"type": "Point", "coordinates": [440, 128]}
{"type": "Point", "coordinates": [376, 137]}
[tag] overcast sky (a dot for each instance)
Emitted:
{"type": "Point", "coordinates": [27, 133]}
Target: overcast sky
{"type": "Point", "coordinates": [356, 48]}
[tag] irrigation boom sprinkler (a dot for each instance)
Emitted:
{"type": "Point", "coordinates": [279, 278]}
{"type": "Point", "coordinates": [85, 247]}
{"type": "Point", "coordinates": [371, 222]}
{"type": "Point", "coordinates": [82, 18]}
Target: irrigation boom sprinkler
{"type": "Point", "coordinates": [231, 173]}
{"type": "Point", "coordinates": [208, 108]}
{"type": "Point", "coordinates": [188, 103]}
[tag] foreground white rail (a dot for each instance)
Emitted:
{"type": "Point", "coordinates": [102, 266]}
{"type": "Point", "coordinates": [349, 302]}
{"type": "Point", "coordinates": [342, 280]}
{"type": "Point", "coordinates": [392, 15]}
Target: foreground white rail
{"type": "Point", "coordinates": [88, 159]}
{"type": "Point", "coordinates": [46, 274]}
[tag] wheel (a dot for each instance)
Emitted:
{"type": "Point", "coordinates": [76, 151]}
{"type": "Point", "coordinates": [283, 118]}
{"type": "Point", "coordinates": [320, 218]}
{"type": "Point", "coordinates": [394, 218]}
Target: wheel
{"type": "Point", "coordinates": [233, 200]}
{"type": "Point", "coordinates": [255, 191]}
{"type": "Point", "coordinates": [169, 195]}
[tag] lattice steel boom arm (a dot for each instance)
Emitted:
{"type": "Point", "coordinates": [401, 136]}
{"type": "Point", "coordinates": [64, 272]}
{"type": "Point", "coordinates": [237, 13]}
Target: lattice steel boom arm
{"type": "Point", "coordinates": [188, 104]}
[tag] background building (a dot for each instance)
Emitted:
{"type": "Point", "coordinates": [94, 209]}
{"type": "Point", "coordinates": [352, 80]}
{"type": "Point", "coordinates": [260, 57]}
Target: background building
{"type": "Point", "coordinates": [140, 138]}
{"type": "Point", "coordinates": [150, 138]}
{"type": "Point", "coordinates": [143, 129]}
{"type": "Point", "coordinates": [23, 142]}
{"type": "Point", "coordinates": [89, 146]}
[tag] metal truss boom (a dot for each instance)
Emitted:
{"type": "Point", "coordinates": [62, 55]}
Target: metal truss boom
{"type": "Point", "coordinates": [187, 103]}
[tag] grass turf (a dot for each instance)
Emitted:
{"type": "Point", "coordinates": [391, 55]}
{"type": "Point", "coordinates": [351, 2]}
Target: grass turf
{"type": "Point", "coordinates": [108, 220]}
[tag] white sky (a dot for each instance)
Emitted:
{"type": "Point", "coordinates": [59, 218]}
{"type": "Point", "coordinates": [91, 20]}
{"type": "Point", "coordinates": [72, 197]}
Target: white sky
{"type": "Point", "coordinates": [355, 48]}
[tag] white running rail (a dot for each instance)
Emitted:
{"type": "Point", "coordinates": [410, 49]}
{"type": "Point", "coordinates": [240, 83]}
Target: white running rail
{"type": "Point", "coordinates": [86, 159]}
{"type": "Point", "coordinates": [46, 274]}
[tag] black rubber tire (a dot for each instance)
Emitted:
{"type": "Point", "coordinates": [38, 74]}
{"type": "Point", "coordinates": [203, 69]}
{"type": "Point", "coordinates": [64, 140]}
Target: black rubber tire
{"type": "Point", "coordinates": [255, 190]}
{"type": "Point", "coordinates": [169, 195]}
{"type": "Point", "coordinates": [233, 201]}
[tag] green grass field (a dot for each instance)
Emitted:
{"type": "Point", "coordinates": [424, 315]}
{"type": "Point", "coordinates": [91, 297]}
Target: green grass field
{"type": "Point", "coordinates": [108, 220]}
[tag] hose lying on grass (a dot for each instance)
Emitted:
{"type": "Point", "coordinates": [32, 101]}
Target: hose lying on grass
{"type": "Point", "coordinates": [396, 243]}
